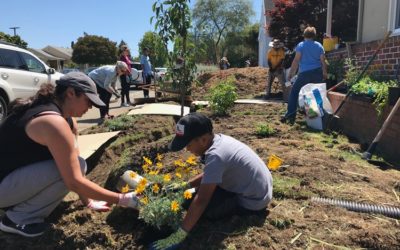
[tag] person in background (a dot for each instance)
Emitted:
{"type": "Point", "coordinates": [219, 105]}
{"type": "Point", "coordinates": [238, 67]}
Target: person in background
{"type": "Point", "coordinates": [146, 69]}
{"type": "Point", "coordinates": [224, 63]}
{"type": "Point", "coordinates": [310, 61]}
{"type": "Point", "coordinates": [275, 58]}
{"type": "Point", "coordinates": [125, 79]}
{"type": "Point", "coordinates": [235, 179]}
{"type": "Point", "coordinates": [39, 155]}
{"type": "Point", "coordinates": [105, 78]}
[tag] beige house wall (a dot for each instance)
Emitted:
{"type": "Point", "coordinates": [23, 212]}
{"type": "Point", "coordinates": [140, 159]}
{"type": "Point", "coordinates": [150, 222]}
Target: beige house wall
{"type": "Point", "coordinates": [375, 20]}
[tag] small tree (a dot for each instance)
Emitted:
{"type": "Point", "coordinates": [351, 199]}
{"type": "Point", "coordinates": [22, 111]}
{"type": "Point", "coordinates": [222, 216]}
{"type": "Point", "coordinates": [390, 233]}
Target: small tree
{"type": "Point", "coordinates": [94, 50]}
{"type": "Point", "coordinates": [173, 22]}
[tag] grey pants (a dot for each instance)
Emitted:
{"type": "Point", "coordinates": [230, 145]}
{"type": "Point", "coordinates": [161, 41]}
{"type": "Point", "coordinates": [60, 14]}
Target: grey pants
{"type": "Point", "coordinates": [34, 191]}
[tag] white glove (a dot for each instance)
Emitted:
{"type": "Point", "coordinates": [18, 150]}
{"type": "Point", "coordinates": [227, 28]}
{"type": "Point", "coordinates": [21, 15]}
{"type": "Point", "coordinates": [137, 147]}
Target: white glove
{"type": "Point", "coordinates": [131, 178]}
{"type": "Point", "coordinates": [129, 200]}
{"type": "Point", "coordinates": [100, 206]}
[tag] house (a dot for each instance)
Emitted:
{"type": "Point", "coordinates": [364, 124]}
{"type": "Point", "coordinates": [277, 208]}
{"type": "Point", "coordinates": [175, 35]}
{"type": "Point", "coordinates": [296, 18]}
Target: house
{"type": "Point", "coordinates": [263, 37]}
{"type": "Point", "coordinates": [375, 19]}
{"type": "Point", "coordinates": [55, 57]}
{"type": "Point", "coordinates": [52, 61]}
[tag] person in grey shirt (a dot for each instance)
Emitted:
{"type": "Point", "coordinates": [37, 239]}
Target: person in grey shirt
{"type": "Point", "coordinates": [105, 78]}
{"type": "Point", "coordinates": [235, 180]}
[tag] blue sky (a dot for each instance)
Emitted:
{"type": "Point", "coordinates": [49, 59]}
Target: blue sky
{"type": "Point", "coordinates": [57, 23]}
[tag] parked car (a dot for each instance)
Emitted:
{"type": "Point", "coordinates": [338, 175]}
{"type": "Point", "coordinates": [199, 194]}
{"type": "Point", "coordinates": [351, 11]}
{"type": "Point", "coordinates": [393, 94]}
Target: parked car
{"type": "Point", "coordinates": [21, 74]}
{"type": "Point", "coordinates": [136, 74]}
{"type": "Point", "coordinates": [160, 73]}
{"type": "Point", "coordinates": [67, 70]}
{"type": "Point", "coordinates": [88, 70]}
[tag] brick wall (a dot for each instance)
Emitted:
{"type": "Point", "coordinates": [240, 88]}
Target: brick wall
{"type": "Point", "coordinates": [385, 63]}
{"type": "Point", "coordinates": [359, 119]}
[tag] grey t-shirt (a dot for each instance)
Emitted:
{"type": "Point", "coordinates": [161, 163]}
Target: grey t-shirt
{"type": "Point", "coordinates": [235, 167]}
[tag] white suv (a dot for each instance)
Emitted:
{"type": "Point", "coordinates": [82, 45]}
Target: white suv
{"type": "Point", "coordinates": [21, 74]}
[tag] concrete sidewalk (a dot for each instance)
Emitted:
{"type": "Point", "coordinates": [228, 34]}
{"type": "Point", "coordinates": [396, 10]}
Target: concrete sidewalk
{"type": "Point", "coordinates": [92, 117]}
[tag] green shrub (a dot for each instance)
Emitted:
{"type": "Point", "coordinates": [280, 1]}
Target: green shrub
{"type": "Point", "coordinates": [119, 123]}
{"type": "Point", "coordinates": [379, 91]}
{"type": "Point", "coordinates": [264, 130]}
{"type": "Point", "coordinates": [222, 96]}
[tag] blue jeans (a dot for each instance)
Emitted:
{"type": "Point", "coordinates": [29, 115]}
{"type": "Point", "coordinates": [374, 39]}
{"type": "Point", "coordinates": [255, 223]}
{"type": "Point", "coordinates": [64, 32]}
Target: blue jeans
{"type": "Point", "coordinates": [306, 77]}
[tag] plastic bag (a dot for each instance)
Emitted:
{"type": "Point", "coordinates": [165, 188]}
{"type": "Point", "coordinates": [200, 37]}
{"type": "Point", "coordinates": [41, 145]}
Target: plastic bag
{"type": "Point", "coordinates": [313, 99]}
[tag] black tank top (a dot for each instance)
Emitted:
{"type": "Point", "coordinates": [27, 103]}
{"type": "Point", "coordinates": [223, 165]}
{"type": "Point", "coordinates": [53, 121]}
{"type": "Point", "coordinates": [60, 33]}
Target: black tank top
{"type": "Point", "coordinates": [16, 148]}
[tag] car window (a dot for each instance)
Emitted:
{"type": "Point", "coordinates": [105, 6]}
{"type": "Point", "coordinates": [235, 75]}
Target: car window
{"type": "Point", "coordinates": [10, 59]}
{"type": "Point", "coordinates": [33, 64]}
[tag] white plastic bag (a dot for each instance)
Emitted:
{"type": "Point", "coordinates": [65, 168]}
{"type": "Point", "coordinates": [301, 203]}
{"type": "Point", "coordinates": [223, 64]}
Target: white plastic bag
{"type": "Point", "coordinates": [313, 99]}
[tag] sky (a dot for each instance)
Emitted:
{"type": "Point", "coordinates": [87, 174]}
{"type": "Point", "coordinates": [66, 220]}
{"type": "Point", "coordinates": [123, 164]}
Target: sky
{"type": "Point", "coordinates": [58, 23]}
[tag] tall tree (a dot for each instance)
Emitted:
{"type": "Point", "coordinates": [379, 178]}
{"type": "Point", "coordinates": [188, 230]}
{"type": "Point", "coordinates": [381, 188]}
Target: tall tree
{"type": "Point", "coordinates": [241, 46]}
{"type": "Point", "coordinates": [94, 50]}
{"type": "Point", "coordinates": [159, 53]}
{"type": "Point", "coordinates": [219, 17]}
{"type": "Point", "coordinates": [13, 39]}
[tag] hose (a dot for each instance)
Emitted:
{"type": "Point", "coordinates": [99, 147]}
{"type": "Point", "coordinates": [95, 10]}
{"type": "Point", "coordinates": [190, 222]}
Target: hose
{"type": "Point", "coordinates": [393, 212]}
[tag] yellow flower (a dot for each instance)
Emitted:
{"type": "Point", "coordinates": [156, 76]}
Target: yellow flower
{"type": "Point", "coordinates": [156, 188]}
{"type": "Point", "coordinates": [187, 195]}
{"type": "Point", "coordinates": [153, 172]}
{"type": "Point", "coordinates": [192, 160]}
{"type": "Point", "coordinates": [143, 182]}
{"type": "Point", "coordinates": [147, 160]}
{"type": "Point", "coordinates": [140, 189]}
{"type": "Point", "coordinates": [159, 157]}
{"type": "Point", "coordinates": [179, 163]}
{"type": "Point", "coordinates": [133, 175]}
{"type": "Point", "coordinates": [179, 175]}
{"type": "Point", "coordinates": [144, 200]}
{"type": "Point", "coordinates": [145, 168]}
{"type": "Point", "coordinates": [159, 164]}
{"type": "Point", "coordinates": [167, 178]}
{"type": "Point", "coordinates": [174, 206]}
{"type": "Point", "coordinates": [195, 172]}
{"type": "Point", "coordinates": [125, 189]}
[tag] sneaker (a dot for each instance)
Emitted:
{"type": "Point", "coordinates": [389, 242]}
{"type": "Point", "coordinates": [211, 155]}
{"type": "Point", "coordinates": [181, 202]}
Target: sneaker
{"type": "Point", "coordinates": [125, 104]}
{"type": "Point", "coordinates": [28, 230]}
{"type": "Point", "coordinates": [289, 120]}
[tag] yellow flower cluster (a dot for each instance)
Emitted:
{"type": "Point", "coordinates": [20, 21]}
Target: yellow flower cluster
{"type": "Point", "coordinates": [183, 168]}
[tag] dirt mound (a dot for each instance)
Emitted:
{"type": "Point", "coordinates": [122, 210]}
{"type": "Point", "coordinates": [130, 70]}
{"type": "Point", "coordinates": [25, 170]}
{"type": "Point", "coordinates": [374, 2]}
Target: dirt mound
{"type": "Point", "coordinates": [250, 82]}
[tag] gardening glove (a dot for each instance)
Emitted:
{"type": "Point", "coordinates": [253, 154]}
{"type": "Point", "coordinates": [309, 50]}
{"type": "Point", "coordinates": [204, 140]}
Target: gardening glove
{"type": "Point", "coordinates": [100, 206]}
{"type": "Point", "coordinates": [171, 242]}
{"type": "Point", "coordinates": [176, 186]}
{"type": "Point", "coordinates": [129, 177]}
{"type": "Point", "coordinates": [129, 200]}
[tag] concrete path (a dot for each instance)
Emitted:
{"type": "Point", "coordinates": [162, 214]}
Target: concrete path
{"type": "Point", "coordinates": [243, 101]}
{"type": "Point", "coordinates": [92, 117]}
{"type": "Point", "coordinates": [158, 109]}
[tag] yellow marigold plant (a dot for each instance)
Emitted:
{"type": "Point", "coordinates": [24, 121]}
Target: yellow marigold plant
{"type": "Point", "coordinates": [162, 193]}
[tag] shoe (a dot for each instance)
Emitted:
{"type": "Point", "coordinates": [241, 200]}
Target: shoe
{"type": "Point", "coordinates": [125, 104]}
{"type": "Point", "coordinates": [289, 120]}
{"type": "Point", "coordinates": [27, 230]}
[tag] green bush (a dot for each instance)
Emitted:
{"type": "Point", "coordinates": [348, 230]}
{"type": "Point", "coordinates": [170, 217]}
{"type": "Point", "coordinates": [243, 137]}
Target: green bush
{"type": "Point", "coordinates": [119, 123]}
{"type": "Point", "coordinates": [222, 96]}
{"type": "Point", "coordinates": [379, 91]}
{"type": "Point", "coordinates": [264, 130]}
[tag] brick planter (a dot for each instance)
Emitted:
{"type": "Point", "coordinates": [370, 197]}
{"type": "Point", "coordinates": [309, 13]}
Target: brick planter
{"type": "Point", "coordinates": [359, 119]}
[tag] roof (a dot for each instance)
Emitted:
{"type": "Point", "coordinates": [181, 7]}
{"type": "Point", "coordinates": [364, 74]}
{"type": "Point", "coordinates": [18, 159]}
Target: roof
{"type": "Point", "coordinates": [65, 53]}
{"type": "Point", "coordinates": [43, 55]}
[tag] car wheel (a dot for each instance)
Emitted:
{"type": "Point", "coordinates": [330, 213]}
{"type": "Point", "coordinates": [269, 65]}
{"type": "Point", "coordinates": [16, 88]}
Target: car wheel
{"type": "Point", "coordinates": [3, 108]}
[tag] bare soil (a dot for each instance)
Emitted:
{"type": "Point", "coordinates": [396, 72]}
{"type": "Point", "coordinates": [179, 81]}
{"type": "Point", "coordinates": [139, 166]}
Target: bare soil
{"type": "Point", "coordinates": [315, 165]}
